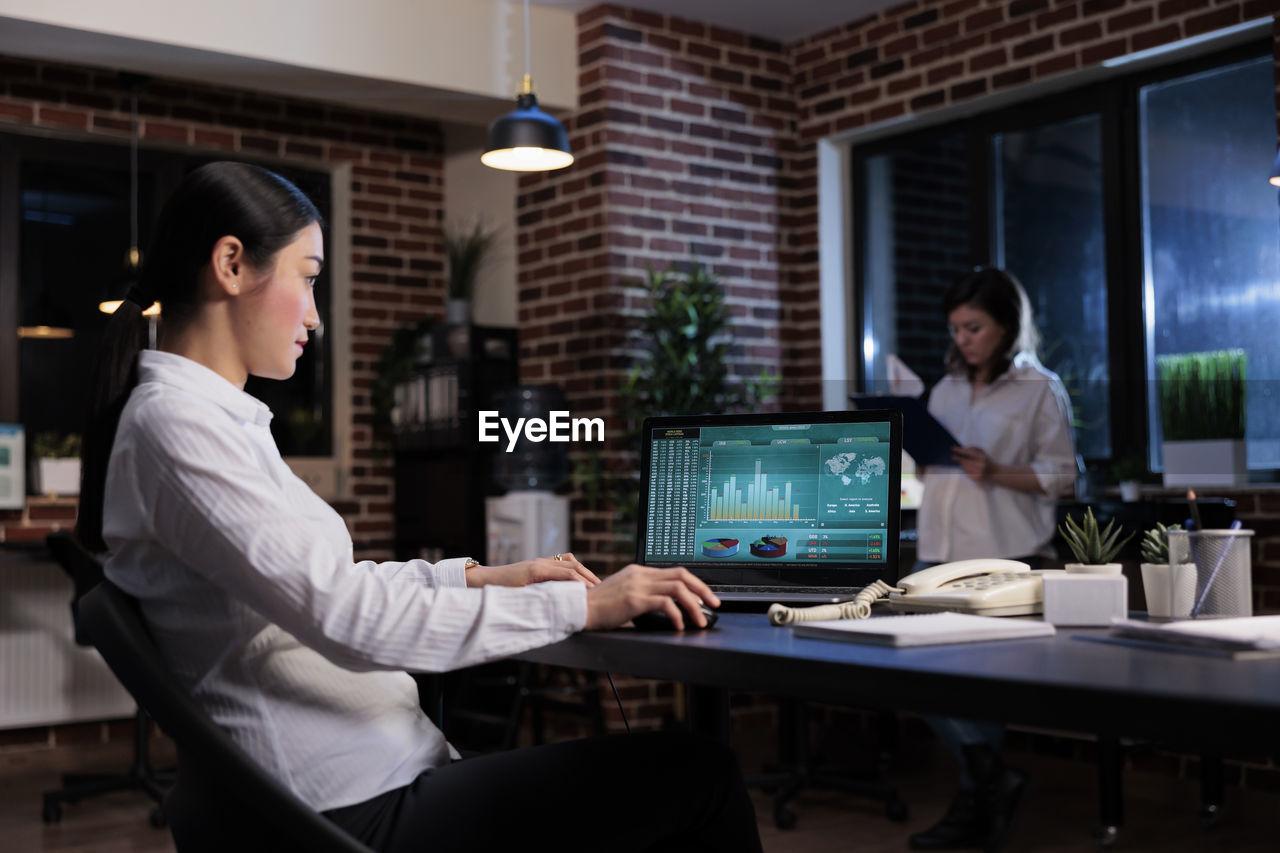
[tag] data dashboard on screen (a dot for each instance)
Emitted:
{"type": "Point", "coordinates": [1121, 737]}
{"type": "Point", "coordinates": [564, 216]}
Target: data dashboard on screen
{"type": "Point", "coordinates": [739, 495]}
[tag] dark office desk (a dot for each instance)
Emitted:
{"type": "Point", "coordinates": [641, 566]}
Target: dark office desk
{"type": "Point", "coordinates": [1211, 704]}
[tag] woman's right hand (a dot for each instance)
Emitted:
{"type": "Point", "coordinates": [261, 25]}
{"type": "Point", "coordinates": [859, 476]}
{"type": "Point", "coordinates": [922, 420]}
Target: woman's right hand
{"type": "Point", "coordinates": [640, 589]}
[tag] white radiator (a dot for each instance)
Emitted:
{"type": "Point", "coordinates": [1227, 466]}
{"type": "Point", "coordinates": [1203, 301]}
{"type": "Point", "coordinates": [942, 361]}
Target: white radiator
{"type": "Point", "coordinates": [44, 676]}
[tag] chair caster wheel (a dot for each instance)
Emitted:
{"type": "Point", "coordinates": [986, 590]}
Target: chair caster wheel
{"type": "Point", "coordinates": [1105, 837]}
{"type": "Point", "coordinates": [896, 811]}
{"type": "Point", "coordinates": [157, 818]}
{"type": "Point", "coordinates": [784, 818]}
{"type": "Point", "coordinates": [52, 812]}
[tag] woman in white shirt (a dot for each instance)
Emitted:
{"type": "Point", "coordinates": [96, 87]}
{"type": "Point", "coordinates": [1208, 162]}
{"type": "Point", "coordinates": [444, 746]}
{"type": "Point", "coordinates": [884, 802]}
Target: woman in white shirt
{"type": "Point", "coordinates": [1012, 417]}
{"type": "Point", "coordinates": [247, 581]}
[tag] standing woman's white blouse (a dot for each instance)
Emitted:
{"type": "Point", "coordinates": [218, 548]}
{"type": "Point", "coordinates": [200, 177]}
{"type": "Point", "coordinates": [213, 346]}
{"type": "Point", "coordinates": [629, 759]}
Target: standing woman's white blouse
{"type": "Point", "coordinates": [247, 582]}
{"type": "Point", "coordinates": [1022, 418]}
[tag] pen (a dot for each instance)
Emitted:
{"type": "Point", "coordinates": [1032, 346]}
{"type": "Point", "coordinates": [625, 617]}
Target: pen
{"type": "Point", "coordinates": [1195, 509]}
{"type": "Point", "coordinates": [1208, 585]}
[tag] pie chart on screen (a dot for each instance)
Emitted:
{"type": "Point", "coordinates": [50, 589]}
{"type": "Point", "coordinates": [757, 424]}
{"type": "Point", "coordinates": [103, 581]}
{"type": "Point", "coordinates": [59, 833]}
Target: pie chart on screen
{"type": "Point", "coordinates": [719, 547]}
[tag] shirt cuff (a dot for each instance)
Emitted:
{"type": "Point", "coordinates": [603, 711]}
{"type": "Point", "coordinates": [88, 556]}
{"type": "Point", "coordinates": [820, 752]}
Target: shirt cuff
{"type": "Point", "coordinates": [452, 572]}
{"type": "Point", "coordinates": [568, 606]}
{"type": "Point", "coordinates": [1056, 480]}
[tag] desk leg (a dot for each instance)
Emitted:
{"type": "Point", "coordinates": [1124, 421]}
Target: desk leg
{"type": "Point", "coordinates": [1110, 789]}
{"type": "Point", "coordinates": [709, 712]}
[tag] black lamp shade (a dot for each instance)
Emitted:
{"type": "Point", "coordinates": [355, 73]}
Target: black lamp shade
{"type": "Point", "coordinates": [527, 140]}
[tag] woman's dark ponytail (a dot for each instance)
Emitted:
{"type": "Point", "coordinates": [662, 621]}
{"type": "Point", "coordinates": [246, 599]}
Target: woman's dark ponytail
{"type": "Point", "coordinates": [260, 208]}
{"type": "Point", "coordinates": [111, 380]}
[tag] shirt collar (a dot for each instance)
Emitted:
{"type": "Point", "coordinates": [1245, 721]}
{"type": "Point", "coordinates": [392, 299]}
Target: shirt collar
{"type": "Point", "coordinates": [181, 372]}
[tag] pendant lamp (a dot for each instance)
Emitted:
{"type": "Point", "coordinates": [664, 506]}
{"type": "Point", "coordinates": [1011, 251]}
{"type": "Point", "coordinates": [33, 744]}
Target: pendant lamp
{"type": "Point", "coordinates": [527, 139]}
{"type": "Point", "coordinates": [133, 260]}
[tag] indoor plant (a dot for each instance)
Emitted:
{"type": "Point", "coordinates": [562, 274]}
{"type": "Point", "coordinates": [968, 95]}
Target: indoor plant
{"type": "Point", "coordinates": [56, 464]}
{"type": "Point", "coordinates": [1170, 590]}
{"type": "Point", "coordinates": [680, 365]}
{"type": "Point", "coordinates": [466, 251]}
{"type": "Point", "coordinates": [1094, 549]}
{"type": "Point", "coordinates": [1202, 415]}
{"type": "Point", "coordinates": [1128, 472]}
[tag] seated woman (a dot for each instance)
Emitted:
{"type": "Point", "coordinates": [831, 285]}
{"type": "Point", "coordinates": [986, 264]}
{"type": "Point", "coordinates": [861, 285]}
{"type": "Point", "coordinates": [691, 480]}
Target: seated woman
{"type": "Point", "coordinates": [247, 581]}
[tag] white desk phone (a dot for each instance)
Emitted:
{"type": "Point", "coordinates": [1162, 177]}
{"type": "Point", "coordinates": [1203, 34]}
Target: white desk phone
{"type": "Point", "coordinates": [985, 587]}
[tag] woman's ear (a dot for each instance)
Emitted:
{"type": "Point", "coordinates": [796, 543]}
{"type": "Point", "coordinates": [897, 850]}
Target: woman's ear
{"type": "Point", "coordinates": [228, 265]}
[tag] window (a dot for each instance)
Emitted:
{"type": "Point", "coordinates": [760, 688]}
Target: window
{"type": "Point", "coordinates": [1209, 240]}
{"type": "Point", "coordinates": [65, 206]}
{"type": "Point", "coordinates": [1135, 212]}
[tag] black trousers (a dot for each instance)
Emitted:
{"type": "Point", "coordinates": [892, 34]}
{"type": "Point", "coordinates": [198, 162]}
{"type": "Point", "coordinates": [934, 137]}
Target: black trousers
{"type": "Point", "coordinates": [641, 792]}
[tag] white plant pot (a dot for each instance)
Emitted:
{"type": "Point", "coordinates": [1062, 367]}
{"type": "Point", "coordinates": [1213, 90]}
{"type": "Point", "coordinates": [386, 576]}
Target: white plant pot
{"type": "Point", "coordinates": [1094, 569]}
{"type": "Point", "coordinates": [1170, 590]}
{"type": "Point", "coordinates": [1131, 491]}
{"type": "Point", "coordinates": [457, 311]}
{"type": "Point", "coordinates": [1218, 462]}
{"type": "Point", "coordinates": [57, 477]}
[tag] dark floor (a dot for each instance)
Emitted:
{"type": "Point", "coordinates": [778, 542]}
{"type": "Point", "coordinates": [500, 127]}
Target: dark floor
{"type": "Point", "coordinates": [1058, 816]}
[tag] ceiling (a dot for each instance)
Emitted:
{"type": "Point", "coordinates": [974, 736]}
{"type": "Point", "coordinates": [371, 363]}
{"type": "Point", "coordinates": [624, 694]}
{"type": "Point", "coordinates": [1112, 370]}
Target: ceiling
{"type": "Point", "coordinates": [783, 20]}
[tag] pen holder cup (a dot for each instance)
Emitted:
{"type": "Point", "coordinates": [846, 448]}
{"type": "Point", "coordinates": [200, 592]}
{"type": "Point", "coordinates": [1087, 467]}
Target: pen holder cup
{"type": "Point", "coordinates": [1224, 572]}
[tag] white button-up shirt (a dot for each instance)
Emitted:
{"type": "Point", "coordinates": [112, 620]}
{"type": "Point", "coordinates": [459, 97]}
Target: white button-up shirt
{"type": "Point", "coordinates": [1023, 418]}
{"type": "Point", "coordinates": [247, 582]}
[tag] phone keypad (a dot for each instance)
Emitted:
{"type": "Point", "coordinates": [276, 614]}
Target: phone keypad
{"type": "Point", "coordinates": [986, 581]}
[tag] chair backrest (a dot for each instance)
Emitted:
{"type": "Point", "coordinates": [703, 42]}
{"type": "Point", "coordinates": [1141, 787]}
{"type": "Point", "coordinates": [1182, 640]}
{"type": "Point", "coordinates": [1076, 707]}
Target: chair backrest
{"type": "Point", "coordinates": [83, 567]}
{"type": "Point", "coordinates": [223, 800]}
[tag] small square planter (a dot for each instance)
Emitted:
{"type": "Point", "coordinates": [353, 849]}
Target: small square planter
{"type": "Point", "coordinates": [56, 477]}
{"type": "Point", "coordinates": [1216, 462]}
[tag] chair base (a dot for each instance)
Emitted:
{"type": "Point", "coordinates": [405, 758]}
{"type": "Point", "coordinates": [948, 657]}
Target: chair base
{"type": "Point", "coordinates": [140, 777]}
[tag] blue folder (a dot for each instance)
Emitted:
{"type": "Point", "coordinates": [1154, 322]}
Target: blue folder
{"type": "Point", "coordinates": [927, 440]}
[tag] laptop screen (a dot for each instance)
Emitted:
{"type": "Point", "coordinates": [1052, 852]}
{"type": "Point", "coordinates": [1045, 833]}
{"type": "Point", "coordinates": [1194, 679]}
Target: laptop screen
{"type": "Point", "coordinates": [809, 499]}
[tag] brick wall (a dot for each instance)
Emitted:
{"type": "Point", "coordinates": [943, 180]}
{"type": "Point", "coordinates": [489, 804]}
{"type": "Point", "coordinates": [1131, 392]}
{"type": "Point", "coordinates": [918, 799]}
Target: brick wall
{"type": "Point", "coordinates": [397, 201]}
{"type": "Point", "coordinates": [678, 141]}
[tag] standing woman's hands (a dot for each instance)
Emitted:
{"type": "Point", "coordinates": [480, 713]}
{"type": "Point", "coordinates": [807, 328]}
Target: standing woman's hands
{"type": "Point", "coordinates": [561, 567]}
{"type": "Point", "coordinates": [641, 589]}
{"type": "Point", "coordinates": [975, 462]}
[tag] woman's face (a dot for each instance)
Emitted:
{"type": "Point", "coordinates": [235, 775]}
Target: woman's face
{"type": "Point", "coordinates": [976, 335]}
{"type": "Point", "coordinates": [279, 308]}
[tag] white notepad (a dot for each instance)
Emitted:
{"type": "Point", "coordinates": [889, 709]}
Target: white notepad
{"type": "Point", "coordinates": [930, 629]}
{"type": "Point", "coordinates": [1240, 636]}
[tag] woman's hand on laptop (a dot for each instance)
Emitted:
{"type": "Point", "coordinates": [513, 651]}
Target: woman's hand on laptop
{"type": "Point", "coordinates": [641, 589]}
{"type": "Point", "coordinates": [561, 567]}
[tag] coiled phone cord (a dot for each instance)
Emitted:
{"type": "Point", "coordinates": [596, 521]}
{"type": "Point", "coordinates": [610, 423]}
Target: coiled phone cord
{"type": "Point", "coordinates": [857, 608]}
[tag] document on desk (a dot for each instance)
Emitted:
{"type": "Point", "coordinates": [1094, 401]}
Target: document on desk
{"type": "Point", "coordinates": [930, 629]}
{"type": "Point", "coordinates": [1245, 637]}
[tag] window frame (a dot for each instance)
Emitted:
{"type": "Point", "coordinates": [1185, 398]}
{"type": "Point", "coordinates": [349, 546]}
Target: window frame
{"type": "Point", "coordinates": [1116, 101]}
{"type": "Point", "coordinates": [328, 475]}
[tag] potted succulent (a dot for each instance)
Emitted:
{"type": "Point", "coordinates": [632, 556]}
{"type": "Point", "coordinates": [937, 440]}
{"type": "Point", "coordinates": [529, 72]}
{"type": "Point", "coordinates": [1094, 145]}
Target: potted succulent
{"type": "Point", "coordinates": [1095, 549]}
{"type": "Point", "coordinates": [1170, 590]}
{"type": "Point", "coordinates": [55, 468]}
{"type": "Point", "coordinates": [1128, 473]}
{"type": "Point", "coordinates": [1202, 416]}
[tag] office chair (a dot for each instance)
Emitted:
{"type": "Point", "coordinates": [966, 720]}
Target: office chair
{"type": "Point", "coordinates": [86, 572]}
{"type": "Point", "coordinates": [222, 800]}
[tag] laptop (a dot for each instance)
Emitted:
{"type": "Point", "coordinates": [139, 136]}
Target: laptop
{"type": "Point", "coordinates": [795, 507]}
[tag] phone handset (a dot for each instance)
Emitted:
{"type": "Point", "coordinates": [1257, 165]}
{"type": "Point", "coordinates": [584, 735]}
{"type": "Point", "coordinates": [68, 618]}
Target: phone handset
{"type": "Point", "coordinates": [928, 580]}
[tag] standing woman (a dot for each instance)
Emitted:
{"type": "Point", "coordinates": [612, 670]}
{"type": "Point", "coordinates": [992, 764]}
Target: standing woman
{"type": "Point", "coordinates": [1013, 418]}
{"type": "Point", "coordinates": [247, 582]}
